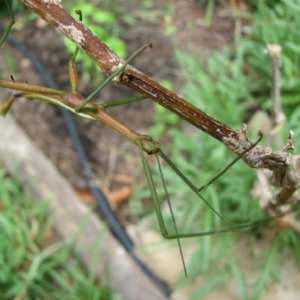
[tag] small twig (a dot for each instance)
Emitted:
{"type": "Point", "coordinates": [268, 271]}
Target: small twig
{"type": "Point", "coordinates": [271, 202]}
{"type": "Point", "coordinates": [278, 116]}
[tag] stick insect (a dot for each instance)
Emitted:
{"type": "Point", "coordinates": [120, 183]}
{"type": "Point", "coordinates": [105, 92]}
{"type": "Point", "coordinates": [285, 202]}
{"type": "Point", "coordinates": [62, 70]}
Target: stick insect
{"type": "Point", "coordinates": [82, 107]}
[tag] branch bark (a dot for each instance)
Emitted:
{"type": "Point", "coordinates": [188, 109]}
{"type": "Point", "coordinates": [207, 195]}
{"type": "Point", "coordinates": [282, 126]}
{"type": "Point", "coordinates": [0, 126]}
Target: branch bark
{"type": "Point", "coordinates": [236, 140]}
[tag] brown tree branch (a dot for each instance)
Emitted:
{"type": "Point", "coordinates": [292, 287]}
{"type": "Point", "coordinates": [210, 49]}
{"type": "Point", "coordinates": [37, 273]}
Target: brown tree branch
{"type": "Point", "coordinates": [109, 62]}
{"type": "Point", "coordinates": [236, 140]}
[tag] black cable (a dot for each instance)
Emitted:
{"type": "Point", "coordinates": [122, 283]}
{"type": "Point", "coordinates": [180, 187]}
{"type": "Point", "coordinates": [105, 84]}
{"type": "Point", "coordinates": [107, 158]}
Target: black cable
{"type": "Point", "coordinates": [113, 223]}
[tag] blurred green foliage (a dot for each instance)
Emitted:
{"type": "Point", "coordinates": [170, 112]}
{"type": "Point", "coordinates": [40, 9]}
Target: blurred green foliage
{"type": "Point", "coordinates": [277, 25]}
{"type": "Point", "coordinates": [29, 268]}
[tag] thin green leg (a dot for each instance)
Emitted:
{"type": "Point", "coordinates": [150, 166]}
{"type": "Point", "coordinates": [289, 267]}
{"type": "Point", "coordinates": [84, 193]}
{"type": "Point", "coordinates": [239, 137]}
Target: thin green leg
{"type": "Point", "coordinates": [204, 187]}
{"type": "Point", "coordinates": [194, 189]}
{"type": "Point", "coordinates": [10, 24]}
{"type": "Point", "coordinates": [153, 192]}
{"type": "Point", "coordinates": [5, 107]}
{"type": "Point", "coordinates": [156, 204]}
{"type": "Point", "coordinates": [171, 211]}
{"type": "Point", "coordinates": [123, 101]}
{"type": "Point", "coordinates": [110, 78]}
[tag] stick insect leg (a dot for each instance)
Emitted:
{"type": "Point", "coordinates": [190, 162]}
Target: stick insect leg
{"type": "Point", "coordinates": [157, 205]}
{"type": "Point", "coordinates": [5, 107]}
{"type": "Point", "coordinates": [10, 24]}
{"type": "Point", "coordinates": [123, 101]}
{"type": "Point", "coordinates": [110, 78]}
{"type": "Point", "coordinates": [195, 190]}
{"type": "Point", "coordinates": [204, 187]}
